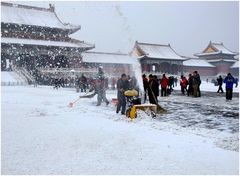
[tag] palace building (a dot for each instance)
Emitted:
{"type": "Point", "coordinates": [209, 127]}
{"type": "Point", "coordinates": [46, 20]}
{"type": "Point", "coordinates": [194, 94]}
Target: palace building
{"type": "Point", "coordinates": [158, 59]}
{"type": "Point", "coordinates": [35, 38]}
{"type": "Point", "coordinates": [114, 64]}
{"type": "Point", "coordinates": [217, 55]}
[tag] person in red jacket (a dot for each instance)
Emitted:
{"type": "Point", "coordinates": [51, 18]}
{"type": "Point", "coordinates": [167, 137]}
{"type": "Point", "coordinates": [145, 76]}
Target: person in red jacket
{"type": "Point", "coordinates": [164, 84]}
{"type": "Point", "coordinates": [183, 84]}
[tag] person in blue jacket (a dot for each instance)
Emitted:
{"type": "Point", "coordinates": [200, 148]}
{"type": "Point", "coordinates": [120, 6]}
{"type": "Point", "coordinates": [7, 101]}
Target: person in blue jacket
{"type": "Point", "coordinates": [229, 81]}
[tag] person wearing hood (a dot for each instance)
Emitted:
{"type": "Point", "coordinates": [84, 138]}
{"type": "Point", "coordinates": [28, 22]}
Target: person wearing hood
{"type": "Point", "coordinates": [229, 81]}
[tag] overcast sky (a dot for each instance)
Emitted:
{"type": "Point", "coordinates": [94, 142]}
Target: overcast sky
{"type": "Point", "coordinates": [187, 26]}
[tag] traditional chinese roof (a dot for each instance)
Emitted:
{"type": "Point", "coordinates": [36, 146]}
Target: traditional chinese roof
{"type": "Point", "coordinates": [156, 51]}
{"type": "Point", "coordinates": [216, 48]}
{"type": "Point", "coordinates": [235, 65]}
{"type": "Point", "coordinates": [111, 58]}
{"type": "Point", "coordinates": [33, 16]}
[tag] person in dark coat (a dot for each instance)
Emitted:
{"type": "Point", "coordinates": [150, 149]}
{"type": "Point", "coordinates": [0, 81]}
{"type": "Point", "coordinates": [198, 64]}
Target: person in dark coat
{"type": "Point", "coordinates": [122, 86]}
{"type": "Point", "coordinates": [156, 86]}
{"type": "Point", "coordinates": [164, 84]}
{"type": "Point", "coordinates": [83, 83]}
{"type": "Point", "coordinates": [220, 82]}
{"type": "Point", "coordinates": [196, 84]}
{"type": "Point", "coordinates": [171, 83]}
{"type": "Point", "coordinates": [153, 90]}
{"type": "Point", "coordinates": [145, 86]}
{"type": "Point", "coordinates": [190, 85]}
{"type": "Point", "coordinates": [229, 81]}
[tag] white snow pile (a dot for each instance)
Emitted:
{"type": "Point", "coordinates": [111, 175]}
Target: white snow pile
{"type": "Point", "coordinates": [42, 135]}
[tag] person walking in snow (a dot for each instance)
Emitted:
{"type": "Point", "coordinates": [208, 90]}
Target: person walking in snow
{"type": "Point", "coordinates": [229, 81]}
{"type": "Point", "coordinates": [164, 84]}
{"type": "Point", "coordinates": [122, 86]}
{"type": "Point", "coordinates": [83, 83]}
{"type": "Point", "coordinates": [171, 83]}
{"type": "Point", "coordinates": [190, 85]}
{"type": "Point", "coordinates": [196, 84]}
{"type": "Point", "coordinates": [183, 84]}
{"type": "Point", "coordinates": [220, 82]}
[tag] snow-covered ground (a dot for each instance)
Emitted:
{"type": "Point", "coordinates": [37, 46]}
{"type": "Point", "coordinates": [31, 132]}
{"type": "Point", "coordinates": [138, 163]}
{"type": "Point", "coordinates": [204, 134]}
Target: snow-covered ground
{"type": "Point", "coordinates": [42, 135]}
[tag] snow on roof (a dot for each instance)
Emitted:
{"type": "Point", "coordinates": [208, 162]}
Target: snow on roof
{"type": "Point", "coordinates": [44, 42]}
{"type": "Point", "coordinates": [36, 16]}
{"type": "Point", "coordinates": [159, 51]}
{"type": "Point", "coordinates": [113, 58]}
{"type": "Point", "coordinates": [197, 63]}
{"type": "Point", "coordinates": [221, 59]}
{"type": "Point", "coordinates": [235, 65]}
{"type": "Point", "coordinates": [222, 48]}
{"type": "Point", "coordinates": [236, 57]}
{"type": "Point", "coordinates": [218, 47]}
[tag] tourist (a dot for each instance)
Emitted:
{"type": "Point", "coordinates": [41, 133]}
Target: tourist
{"type": "Point", "coordinates": [171, 83]}
{"type": "Point", "coordinates": [196, 84]}
{"type": "Point", "coordinates": [122, 86]}
{"type": "Point", "coordinates": [190, 85]}
{"type": "Point", "coordinates": [183, 84]}
{"type": "Point", "coordinates": [164, 84]}
{"type": "Point", "coordinates": [229, 81]}
{"type": "Point", "coordinates": [220, 82]}
{"type": "Point", "coordinates": [83, 83]}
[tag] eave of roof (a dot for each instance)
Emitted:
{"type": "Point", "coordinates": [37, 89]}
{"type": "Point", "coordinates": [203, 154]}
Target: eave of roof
{"type": "Point", "coordinates": [18, 41]}
{"type": "Point", "coordinates": [173, 55]}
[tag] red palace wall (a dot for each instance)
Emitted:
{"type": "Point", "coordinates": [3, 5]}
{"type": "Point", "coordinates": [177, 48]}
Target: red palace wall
{"type": "Point", "coordinates": [223, 67]}
{"type": "Point", "coordinates": [235, 72]}
{"type": "Point", "coordinates": [203, 71]}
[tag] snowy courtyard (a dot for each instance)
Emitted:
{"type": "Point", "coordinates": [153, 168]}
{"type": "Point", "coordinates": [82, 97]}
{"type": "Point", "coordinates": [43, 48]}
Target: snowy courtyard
{"type": "Point", "coordinates": [42, 135]}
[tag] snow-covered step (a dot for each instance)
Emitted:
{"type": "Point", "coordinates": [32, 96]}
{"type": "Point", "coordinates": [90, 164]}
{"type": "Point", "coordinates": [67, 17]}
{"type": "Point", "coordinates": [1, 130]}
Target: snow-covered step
{"type": "Point", "coordinates": [11, 78]}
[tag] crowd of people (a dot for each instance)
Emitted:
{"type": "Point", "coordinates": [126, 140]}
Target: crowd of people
{"type": "Point", "coordinates": [190, 86]}
{"type": "Point", "coordinates": [153, 86]}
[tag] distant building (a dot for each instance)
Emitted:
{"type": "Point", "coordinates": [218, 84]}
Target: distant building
{"type": "Point", "coordinates": [158, 59]}
{"type": "Point", "coordinates": [234, 69]}
{"type": "Point", "coordinates": [34, 37]}
{"type": "Point", "coordinates": [219, 56]}
{"type": "Point", "coordinates": [114, 64]}
{"type": "Point", "coordinates": [203, 67]}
